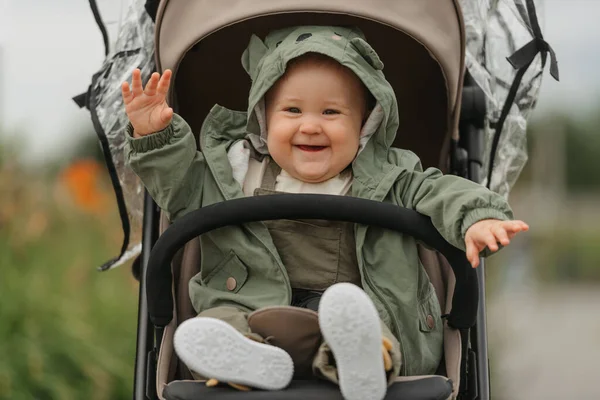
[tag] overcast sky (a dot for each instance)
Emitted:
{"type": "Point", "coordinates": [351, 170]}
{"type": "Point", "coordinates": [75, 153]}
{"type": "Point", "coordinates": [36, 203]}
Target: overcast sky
{"type": "Point", "coordinates": [50, 50]}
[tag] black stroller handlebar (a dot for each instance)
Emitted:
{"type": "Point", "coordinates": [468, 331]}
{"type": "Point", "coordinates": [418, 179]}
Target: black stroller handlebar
{"type": "Point", "coordinates": [304, 206]}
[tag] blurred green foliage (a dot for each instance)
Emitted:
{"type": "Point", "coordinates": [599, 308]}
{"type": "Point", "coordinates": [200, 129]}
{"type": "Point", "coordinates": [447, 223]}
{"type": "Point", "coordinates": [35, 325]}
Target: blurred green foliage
{"type": "Point", "coordinates": [66, 330]}
{"type": "Point", "coordinates": [581, 144]}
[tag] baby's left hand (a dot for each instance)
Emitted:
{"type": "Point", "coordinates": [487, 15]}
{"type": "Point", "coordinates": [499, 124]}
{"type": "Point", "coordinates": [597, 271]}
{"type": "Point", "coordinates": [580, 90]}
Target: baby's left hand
{"type": "Point", "coordinates": [490, 232]}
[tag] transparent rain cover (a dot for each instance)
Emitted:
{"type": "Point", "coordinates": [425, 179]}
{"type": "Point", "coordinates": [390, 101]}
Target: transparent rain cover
{"type": "Point", "coordinates": [495, 30]}
{"type": "Point", "coordinates": [133, 48]}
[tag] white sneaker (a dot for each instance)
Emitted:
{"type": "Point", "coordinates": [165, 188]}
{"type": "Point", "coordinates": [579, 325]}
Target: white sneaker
{"type": "Point", "coordinates": [350, 326]}
{"type": "Point", "coordinates": [215, 349]}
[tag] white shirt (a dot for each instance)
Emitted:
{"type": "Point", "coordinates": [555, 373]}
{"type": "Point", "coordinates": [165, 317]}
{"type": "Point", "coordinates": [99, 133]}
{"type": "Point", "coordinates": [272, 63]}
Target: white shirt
{"type": "Point", "coordinates": [338, 185]}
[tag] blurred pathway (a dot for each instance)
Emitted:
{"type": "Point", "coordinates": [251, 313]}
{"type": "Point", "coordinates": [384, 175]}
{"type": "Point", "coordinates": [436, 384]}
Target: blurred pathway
{"type": "Point", "coordinates": [545, 343]}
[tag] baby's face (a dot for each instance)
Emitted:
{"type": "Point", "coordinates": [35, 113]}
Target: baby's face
{"type": "Point", "coordinates": [314, 117]}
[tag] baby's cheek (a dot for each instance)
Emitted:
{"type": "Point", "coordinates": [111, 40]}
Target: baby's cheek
{"type": "Point", "coordinates": [276, 146]}
{"type": "Point", "coordinates": [352, 143]}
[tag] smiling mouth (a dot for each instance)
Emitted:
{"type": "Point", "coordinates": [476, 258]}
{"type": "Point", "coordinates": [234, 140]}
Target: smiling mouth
{"type": "Point", "coordinates": [304, 147]}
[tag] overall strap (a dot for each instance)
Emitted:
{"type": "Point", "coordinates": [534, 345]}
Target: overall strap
{"type": "Point", "coordinates": [271, 173]}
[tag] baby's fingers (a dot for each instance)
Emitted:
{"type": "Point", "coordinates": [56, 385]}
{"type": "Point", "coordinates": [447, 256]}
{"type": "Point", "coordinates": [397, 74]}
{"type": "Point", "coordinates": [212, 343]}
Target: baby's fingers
{"type": "Point", "coordinates": [490, 240]}
{"type": "Point", "coordinates": [522, 226]}
{"type": "Point", "coordinates": [126, 93]}
{"type": "Point", "coordinates": [515, 226]}
{"type": "Point", "coordinates": [472, 253]}
{"type": "Point", "coordinates": [165, 81]}
{"type": "Point", "coordinates": [136, 82]}
{"type": "Point", "coordinates": [501, 236]}
{"type": "Point", "coordinates": [150, 89]}
{"type": "Point", "coordinates": [166, 115]}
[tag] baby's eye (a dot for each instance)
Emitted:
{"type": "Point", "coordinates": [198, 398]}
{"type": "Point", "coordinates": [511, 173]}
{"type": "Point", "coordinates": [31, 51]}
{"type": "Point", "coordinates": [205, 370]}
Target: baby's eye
{"type": "Point", "coordinates": [294, 110]}
{"type": "Point", "coordinates": [330, 112]}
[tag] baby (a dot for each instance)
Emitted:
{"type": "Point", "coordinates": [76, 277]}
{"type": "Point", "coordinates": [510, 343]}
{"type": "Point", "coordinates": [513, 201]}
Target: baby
{"type": "Point", "coordinates": [321, 119]}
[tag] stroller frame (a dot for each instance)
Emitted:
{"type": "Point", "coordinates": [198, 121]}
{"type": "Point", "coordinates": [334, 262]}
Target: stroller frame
{"type": "Point", "coordinates": [464, 153]}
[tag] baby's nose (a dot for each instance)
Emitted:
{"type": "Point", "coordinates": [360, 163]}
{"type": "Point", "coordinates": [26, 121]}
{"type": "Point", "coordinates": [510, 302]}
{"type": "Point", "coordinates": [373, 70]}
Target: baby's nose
{"type": "Point", "coordinates": [310, 126]}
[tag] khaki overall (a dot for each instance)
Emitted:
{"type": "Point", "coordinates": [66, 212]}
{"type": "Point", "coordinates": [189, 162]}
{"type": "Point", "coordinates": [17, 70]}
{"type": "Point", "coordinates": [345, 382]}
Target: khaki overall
{"type": "Point", "coordinates": [316, 255]}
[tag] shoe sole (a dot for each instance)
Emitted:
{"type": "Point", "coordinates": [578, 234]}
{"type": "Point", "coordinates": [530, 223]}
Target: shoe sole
{"type": "Point", "coordinates": [215, 349]}
{"type": "Point", "coordinates": [350, 326]}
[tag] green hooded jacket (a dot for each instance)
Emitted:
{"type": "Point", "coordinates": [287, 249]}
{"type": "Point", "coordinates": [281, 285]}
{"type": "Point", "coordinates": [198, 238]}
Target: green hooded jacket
{"type": "Point", "coordinates": [182, 179]}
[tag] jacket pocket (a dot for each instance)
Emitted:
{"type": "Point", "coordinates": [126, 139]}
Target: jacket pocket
{"type": "Point", "coordinates": [229, 275]}
{"type": "Point", "coordinates": [430, 314]}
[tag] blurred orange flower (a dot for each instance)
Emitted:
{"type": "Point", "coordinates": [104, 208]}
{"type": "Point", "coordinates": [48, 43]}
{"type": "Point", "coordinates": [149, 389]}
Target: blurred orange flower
{"type": "Point", "coordinates": [83, 180]}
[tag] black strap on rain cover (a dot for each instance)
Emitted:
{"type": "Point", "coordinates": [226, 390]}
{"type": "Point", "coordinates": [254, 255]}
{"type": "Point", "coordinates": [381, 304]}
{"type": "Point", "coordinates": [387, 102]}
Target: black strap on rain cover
{"type": "Point", "coordinates": [100, 24]}
{"type": "Point", "coordinates": [151, 7]}
{"type": "Point", "coordinates": [304, 206]}
{"type": "Point", "coordinates": [522, 60]}
{"type": "Point", "coordinates": [82, 99]}
{"type": "Point", "coordinates": [114, 178]}
{"type": "Point", "coordinates": [88, 100]}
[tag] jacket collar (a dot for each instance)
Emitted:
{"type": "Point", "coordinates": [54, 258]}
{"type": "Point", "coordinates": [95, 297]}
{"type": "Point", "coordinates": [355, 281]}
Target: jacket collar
{"type": "Point", "coordinates": [221, 128]}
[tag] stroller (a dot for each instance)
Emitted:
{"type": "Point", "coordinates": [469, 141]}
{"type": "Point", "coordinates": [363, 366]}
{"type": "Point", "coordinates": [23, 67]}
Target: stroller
{"type": "Point", "coordinates": [439, 99]}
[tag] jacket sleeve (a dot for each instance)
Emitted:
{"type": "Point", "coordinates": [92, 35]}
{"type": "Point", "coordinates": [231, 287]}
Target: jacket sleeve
{"type": "Point", "coordinates": [169, 166]}
{"type": "Point", "coordinates": [452, 203]}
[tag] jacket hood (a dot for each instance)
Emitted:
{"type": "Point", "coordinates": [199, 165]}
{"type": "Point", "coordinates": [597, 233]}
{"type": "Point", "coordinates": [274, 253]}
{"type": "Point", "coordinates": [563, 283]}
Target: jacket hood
{"type": "Point", "coordinates": [266, 61]}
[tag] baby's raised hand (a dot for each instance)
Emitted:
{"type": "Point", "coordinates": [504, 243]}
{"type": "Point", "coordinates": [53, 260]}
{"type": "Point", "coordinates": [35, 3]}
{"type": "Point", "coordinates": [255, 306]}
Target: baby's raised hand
{"type": "Point", "coordinates": [147, 108]}
{"type": "Point", "coordinates": [490, 232]}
